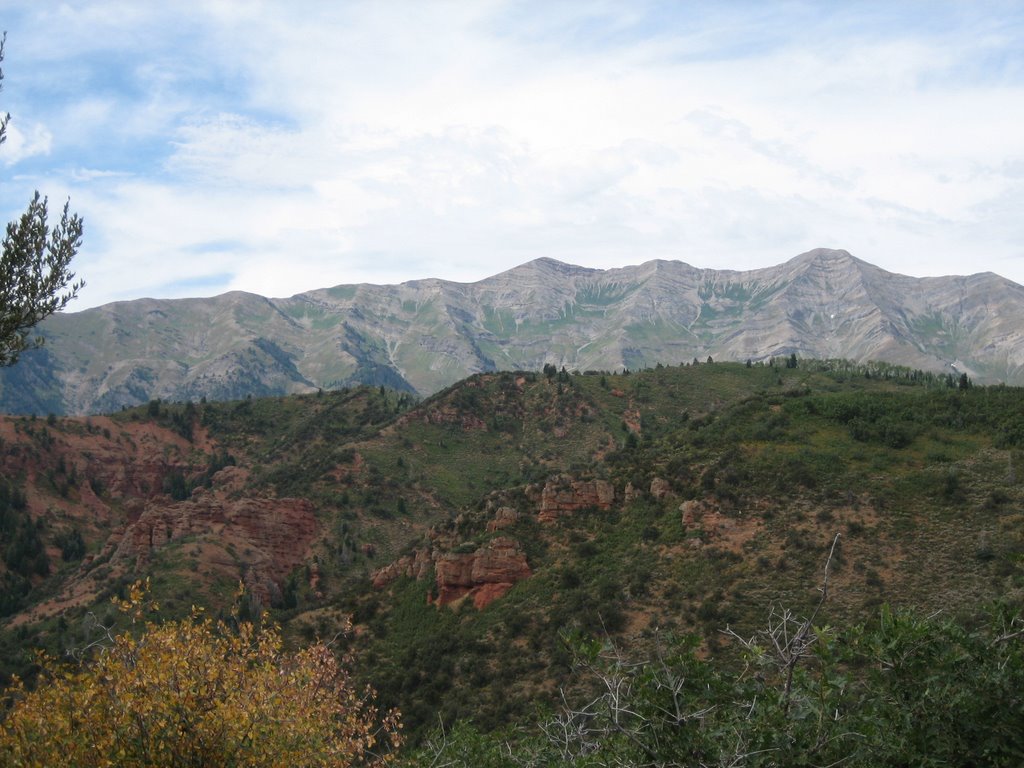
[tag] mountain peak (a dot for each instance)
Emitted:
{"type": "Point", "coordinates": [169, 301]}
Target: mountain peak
{"type": "Point", "coordinates": [547, 264]}
{"type": "Point", "coordinates": [830, 256]}
{"type": "Point", "coordinates": [425, 335]}
{"type": "Point", "coordinates": [546, 267]}
{"type": "Point", "coordinates": [829, 264]}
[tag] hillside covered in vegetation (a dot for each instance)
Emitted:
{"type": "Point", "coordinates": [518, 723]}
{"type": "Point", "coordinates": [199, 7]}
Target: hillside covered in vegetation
{"type": "Point", "coordinates": [481, 539]}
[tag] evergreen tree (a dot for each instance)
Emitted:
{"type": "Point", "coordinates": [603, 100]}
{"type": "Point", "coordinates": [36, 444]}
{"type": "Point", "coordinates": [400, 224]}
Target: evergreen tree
{"type": "Point", "coordinates": [34, 274]}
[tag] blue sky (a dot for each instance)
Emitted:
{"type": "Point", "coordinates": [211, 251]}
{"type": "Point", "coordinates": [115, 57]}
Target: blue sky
{"type": "Point", "coordinates": [277, 147]}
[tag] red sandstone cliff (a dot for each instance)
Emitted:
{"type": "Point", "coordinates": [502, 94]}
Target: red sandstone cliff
{"type": "Point", "coordinates": [484, 575]}
{"type": "Point", "coordinates": [107, 478]}
{"type": "Point", "coordinates": [265, 538]}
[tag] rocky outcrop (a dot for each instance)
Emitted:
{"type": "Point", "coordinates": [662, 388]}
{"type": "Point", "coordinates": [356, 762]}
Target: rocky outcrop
{"type": "Point", "coordinates": [262, 539]}
{"type": "Point", "coordinates": [483, 575]}
{"type": "Point", "coordinates": [563, 495]}
{"type": "Point", "coordinates": [697, 512]}
{"type": "Point", "coordinates": [660, 488]}
{"type": "Point", "coordinates": [504, 517]}
{"type": "Point", "coordinates": [415, 566]}
{"type": "Point", "coordinates": [121, 459]}
{"type": "Point", "coordinates": [111, 480]}
{"type": "Point", "coordinates": [632, 493]}
{"type": "Point", "coordinates": [706, 519]}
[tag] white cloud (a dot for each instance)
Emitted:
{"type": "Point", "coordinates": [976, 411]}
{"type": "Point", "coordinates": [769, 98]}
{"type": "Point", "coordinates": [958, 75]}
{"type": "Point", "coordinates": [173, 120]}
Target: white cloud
{"type": "Point", "coordinates": [387, 141]}
{"type": "Point", "coordinates": [25, 141]}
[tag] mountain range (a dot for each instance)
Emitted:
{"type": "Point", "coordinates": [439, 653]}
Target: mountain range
{"type": "Point", "coordinates": [423, 335]}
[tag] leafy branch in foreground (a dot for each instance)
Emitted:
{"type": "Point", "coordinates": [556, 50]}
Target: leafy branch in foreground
{"type": "Point", "coordinates": [196, 692]}
{"type": "Point", "coordinates": [35, 279]}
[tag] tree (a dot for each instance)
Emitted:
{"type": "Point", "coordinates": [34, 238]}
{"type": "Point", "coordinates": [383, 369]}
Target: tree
{"type": "Point", "coordinates": [902, 690]}
{"type": "Point", "coordinates": [195, 692]}
{"type": "Point", "coordinates": [34, 274]}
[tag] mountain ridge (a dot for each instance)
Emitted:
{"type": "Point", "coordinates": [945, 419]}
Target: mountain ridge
{"type": "Point", "coordinates": [423, 335]}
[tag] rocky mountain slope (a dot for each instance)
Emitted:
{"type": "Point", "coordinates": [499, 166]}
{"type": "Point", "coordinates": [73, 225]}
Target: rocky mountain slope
{"type": "Point", "coordinates": [423, 335]}
{"type": "Point", "coordinates": [465, 534]}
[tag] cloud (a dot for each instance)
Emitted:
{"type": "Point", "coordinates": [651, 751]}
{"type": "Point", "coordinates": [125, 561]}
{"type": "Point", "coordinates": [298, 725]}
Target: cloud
{"type": "Point", "coordinates": [232, 150]}
{"type": "Point", "coordinates": [388, 141]}
{"type": "Point", "coordinates": [22, 143]}
{"type": "Point", "coordinates": [217, 282]}
{"type": "Point", "coordinates": [92, 174]}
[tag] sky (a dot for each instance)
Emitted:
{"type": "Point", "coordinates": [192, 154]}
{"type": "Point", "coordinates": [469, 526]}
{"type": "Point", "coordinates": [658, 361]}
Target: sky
{"type": "Point", "coordinates": [279, 147]}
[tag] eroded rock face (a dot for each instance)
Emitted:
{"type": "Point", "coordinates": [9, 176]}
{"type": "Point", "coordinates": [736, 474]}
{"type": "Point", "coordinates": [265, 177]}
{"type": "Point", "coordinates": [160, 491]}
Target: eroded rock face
{"type": "Point", "coordinates": [119, 498]}
{"type": "Point", "coordinates": [483, 575]}
{"type": "Point", "coordinates": [124, 460]}
{"type": "Point", "coordinates": [632, 493]}
{"type": "Point", "coordinates": [563, 495]}
{"type": "Point", "coordinates": [708, 518]}
{"type": "Point", "coordinates": [694, 510]}
{"type": "Point", "coordinates": [415, 566]}
{"type": "Point", "coordinates": [486, 574]}
{"type": "Point", "coordinates": [504, 517]}
{"type": "Point", "coordinates": [272, 536]}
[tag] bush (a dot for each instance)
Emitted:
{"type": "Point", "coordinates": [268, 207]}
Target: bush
{"type": "Point", "coordinates": [903, 690]}
{"type": "Point", "coordinates": [196, 692]}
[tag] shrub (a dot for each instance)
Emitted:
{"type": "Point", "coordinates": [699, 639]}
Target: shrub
{"type": "Point", "coordinates": [196, 692]}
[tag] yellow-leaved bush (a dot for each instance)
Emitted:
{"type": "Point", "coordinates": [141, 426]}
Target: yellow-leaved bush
{"type": "Point", "coordinates": [197, 693]}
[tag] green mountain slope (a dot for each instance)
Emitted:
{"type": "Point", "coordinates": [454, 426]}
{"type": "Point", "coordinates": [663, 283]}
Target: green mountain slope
{"type": "Point", "coordinates": [468, 532]}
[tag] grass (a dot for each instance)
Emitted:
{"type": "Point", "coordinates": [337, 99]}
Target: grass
{"type": "Point", "coordinates": [923, 482]}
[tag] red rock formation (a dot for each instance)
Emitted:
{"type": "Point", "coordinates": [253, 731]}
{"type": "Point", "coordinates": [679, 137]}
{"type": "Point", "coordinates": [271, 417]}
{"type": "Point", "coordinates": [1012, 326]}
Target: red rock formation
{"type": "Point", "coordinates": [563, 495]}
{"type": "Point", "coordinates": [632, 493]}
{"type": "Point", "coordinates": [454, 573]}
{"type": "Point", "coordinates": [660, 488]}
{"type": "Point", "coordinates": [693, 512]}
{"type": "Point", "coordinates": [707, 517]}
{"type": "Point", "coordinates": [118, 497]}
{"type": "Point", "coordinates": [415, 566]}
{"type": "Point", "coordinates": [270, 537]}
{"type": "Point", "coordinates": [125, 459]}
{"type": "Point", "coordinates": [484, 575]}
{"type": "Point", "coordinates": [485, 594]}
